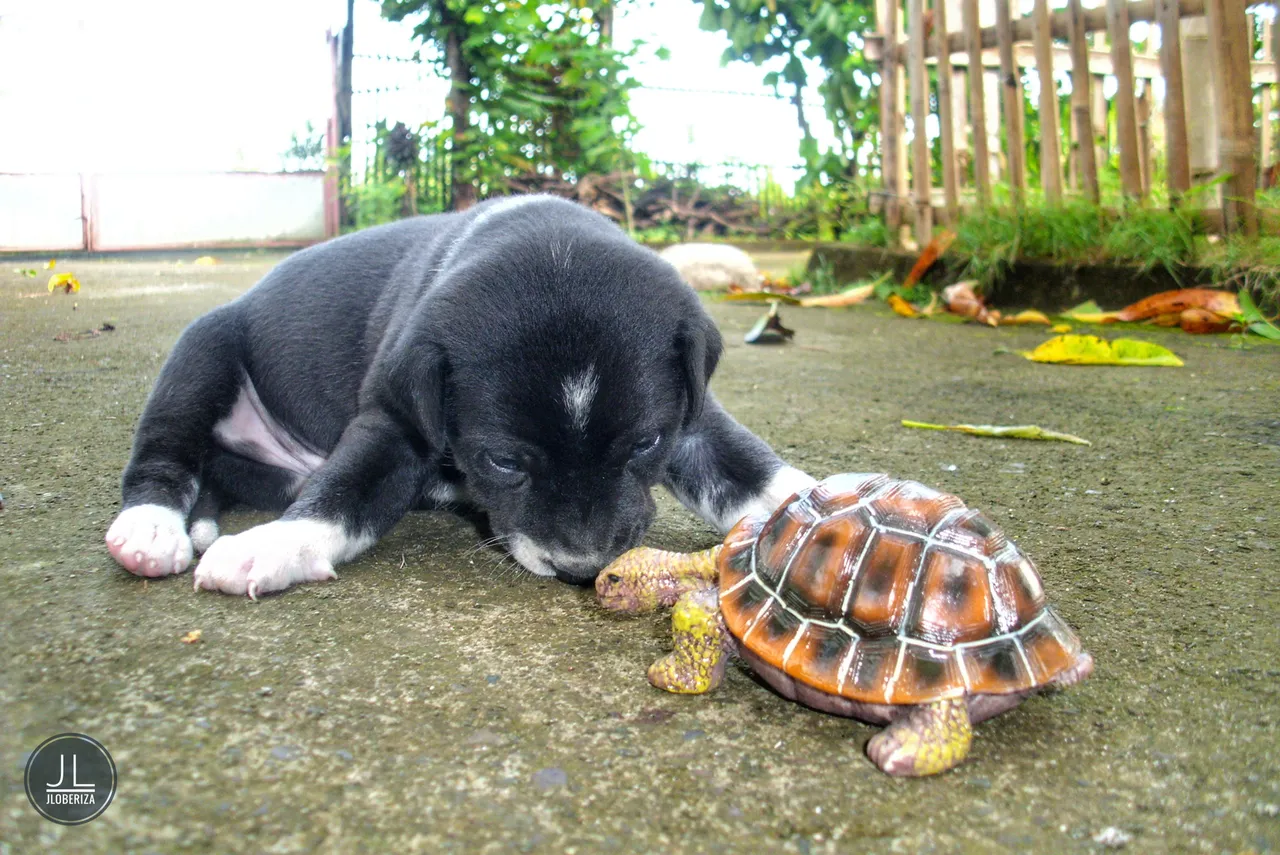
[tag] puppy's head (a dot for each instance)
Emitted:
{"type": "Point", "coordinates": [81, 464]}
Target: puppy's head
{"type": "Point", "coordinates": [562, 403]}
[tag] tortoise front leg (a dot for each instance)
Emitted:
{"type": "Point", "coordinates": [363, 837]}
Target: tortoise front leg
{"type": "Point", "coordinates": [928, 739]}
{"type": "Point", "coordinates": [696, 664]}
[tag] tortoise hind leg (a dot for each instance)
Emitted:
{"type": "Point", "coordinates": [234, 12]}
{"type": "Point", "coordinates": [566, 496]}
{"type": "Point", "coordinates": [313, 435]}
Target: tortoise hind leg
{"type": "Point", "coordinates": [928, 739]}
{"type": "Point", "coordinates": [696, 664]}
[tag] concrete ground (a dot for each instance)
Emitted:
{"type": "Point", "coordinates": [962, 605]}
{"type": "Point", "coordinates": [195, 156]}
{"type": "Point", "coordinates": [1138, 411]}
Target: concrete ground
{"type": "Point", "coordinates": [433, 698]}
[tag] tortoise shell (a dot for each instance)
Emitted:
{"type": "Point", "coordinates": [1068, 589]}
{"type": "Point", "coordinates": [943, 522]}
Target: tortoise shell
{"type": "Point", "coordinates": [888, 592]}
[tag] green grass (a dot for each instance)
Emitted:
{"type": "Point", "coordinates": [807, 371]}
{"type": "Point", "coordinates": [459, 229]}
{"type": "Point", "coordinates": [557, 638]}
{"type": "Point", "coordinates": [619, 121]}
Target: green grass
{"type": "Point", "coordinates": [1152, 238]}
{"type": "Point", "coordinates": [1252, 265]}
{"type": "Point", "coordinates": [1149, 237]}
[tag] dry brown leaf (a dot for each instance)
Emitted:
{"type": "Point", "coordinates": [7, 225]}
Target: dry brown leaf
{"type": "Point", "coordinates": [929, 255]}
{"type": "Point", "coordinates": [1204, 321]}
{"type": "Point", "coordinates": [1223, 303]}
{"type": "Point", "coordinates": [848, 297]}
{"type": "Point", "coordinates": [961, 299]}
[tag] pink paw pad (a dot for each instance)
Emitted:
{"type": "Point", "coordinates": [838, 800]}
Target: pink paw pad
{"type": "Point", "coordinates": [150, 540]}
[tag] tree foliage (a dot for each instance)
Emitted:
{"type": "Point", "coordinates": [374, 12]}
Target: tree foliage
{"type": "Point", "coordinates": [785, 31]}
{"type": "Point", "coordinates": [538, 87]}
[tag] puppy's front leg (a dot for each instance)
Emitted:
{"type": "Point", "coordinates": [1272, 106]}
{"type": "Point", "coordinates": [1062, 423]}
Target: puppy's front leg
{"type": "Point", "coordinates": [721, 471]}
{"type": "Point", "coordinates": [373, 477]}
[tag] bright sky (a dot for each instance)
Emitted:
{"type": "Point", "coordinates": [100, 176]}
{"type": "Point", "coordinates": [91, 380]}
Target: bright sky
{"type": "Point", "coordinates": [160, 85]}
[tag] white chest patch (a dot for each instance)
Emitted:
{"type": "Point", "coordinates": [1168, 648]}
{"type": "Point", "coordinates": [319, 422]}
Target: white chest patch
{"type": "Point", "coordinates": [579, 391]}
{"type": "Point", "coordinates": [250, 430]}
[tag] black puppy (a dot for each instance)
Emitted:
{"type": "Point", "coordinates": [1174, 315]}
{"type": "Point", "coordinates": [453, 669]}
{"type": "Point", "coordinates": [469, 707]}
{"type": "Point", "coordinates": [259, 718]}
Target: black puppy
{"type": "Point", "coordinates": [525, 357]}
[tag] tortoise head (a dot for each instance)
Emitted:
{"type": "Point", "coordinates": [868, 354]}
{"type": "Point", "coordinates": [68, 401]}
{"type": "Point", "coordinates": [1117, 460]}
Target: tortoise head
{"type": "Point", "coordinates": [643, 579]}
{"type": "Point", "coordinates": [631, 583]}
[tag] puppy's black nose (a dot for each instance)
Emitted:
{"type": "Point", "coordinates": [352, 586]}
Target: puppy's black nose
{"type": "Point", "coordinates": [575, 576]}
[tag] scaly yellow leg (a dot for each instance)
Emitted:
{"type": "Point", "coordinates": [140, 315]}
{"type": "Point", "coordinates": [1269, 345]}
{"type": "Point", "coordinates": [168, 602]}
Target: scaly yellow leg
{"type": "Point", "coordinates": [696, 664]}
{"type": "Point", "coordinates": [929, 739]}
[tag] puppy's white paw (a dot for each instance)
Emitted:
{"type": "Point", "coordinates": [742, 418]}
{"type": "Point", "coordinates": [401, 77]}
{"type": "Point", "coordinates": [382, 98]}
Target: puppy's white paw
{"type": "Point", "coordinates": [203, 533]}
{"type": "Point", "coordinates": [150, 540]}
{"type": "Point", "coordinates": [273, 557]}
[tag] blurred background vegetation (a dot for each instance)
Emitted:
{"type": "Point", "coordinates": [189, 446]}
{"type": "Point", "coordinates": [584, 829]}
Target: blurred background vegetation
{"type": "Point", "coordinates": [539, 100]}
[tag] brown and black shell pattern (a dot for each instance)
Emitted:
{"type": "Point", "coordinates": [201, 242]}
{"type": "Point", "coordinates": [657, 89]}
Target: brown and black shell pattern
{"type": "Point", "coordinates": [888, 592]}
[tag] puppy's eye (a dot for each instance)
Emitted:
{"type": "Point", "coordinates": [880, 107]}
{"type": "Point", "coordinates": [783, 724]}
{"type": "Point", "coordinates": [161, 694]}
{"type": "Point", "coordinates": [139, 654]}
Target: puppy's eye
{"type": "Point", "coordinates": [505, 465]}
{"type": "Point", "coordinates": [646, 445]}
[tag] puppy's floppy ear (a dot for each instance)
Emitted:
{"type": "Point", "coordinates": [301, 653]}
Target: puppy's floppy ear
{"type": "Point", "coordinates": [416, 380]}
{"type": "Point", "coordinates": [698, 345]}
{"type": "Point", "coordinates": [431, 399]}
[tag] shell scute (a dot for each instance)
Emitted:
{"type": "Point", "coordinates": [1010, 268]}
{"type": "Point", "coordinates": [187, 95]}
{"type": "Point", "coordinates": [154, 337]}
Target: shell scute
{"type": "Point", "coordinates": [871, 670]}
{"type": "Point", "coordinates": [782, 536]}
{"type": "Point", "coordinates": [819, 657]}
{"type": "Point", "coordinates": [742, 603]}
{"type": "Point", "coordinates": [1018, 590]}
{"type": "Point", "coordinates": [841, 492]}
{"type": "Point", "coordinates": [878, 595]}
{"type": "Point", "coordinates": [911, 506]}
{"type": "Point", "coordinates": [972, 531]}
{"type": "Point", "coordinates": [1051, 646]}
{"type": "Point", "coordinates": [954, 602]}
{"type": "Point", "coordinates": [997, 666]}
{"type": "Point", "coordinates": [771, 632]}
{"type": "Point", "coordinates": [823, 566]}
{"type": "Point", "coordinates": [926, 674]}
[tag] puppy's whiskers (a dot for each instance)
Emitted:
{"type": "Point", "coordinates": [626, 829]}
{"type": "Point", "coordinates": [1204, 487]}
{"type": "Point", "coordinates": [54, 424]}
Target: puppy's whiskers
{"type": "Point", "coordinates": [486, 545]}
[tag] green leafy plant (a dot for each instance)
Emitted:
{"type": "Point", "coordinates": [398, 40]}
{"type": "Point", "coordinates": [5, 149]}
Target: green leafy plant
{"type": "Point", "coordinates": [787, 32]}
{"type": "Point", "coordinates": [869, 232]}
{"type": "Point", "coordinates": [376, 201]}
{"type": "Point", "coordinates": [536, 88]}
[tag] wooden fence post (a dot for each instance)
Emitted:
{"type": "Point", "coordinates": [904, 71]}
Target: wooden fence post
{"type": "Point", "coordinates": [1200, 93]}
{"type": "Point", "coordinates": [1177, 162]}
{"type": "Point", "coordinates": [1143, 109]}
{"type": "Point", "coordinates": [1050, 141]}
{"type": "Point", "coordinates": [1012, 87]}
{"type": "Point", "coordinates": [977, 107]}
{"type": "Point", "coordinates": [1232, 48]}
{"type": "Point", "coordinates": [918, 81]}
{"type": "Point", "coordinates": [891, 165]}
{"type": "Point", "coordinates": [1085, 150]}
{"type": "Point", "coordinates": [1100, 112]}
{"type": "Point", "coordinates": [1126, 116]}
{"type": "Point", "coordinates": [946, 117]}
{"type": "Point", "coordinates": [1266, 97]}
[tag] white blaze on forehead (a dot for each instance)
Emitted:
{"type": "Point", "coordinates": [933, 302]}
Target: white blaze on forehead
{"type": "Point", "coordinates": [579, 392]}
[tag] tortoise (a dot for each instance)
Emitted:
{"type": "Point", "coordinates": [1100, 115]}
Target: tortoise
{"type": "Point", "coordinates": [863, 596]}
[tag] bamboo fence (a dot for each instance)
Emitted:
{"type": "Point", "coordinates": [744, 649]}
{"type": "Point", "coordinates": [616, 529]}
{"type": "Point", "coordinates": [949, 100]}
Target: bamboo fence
{"type": "Point", "coordinates": [1205, 120]}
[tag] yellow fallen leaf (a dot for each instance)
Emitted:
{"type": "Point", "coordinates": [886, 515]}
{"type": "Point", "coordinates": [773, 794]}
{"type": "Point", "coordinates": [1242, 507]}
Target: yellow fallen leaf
{"type": "Point", "coordinates": [1089, 313]}
{"type": "Point", "coordinates": [192, 637]}
{"type": "Point", "coordinates": [1028, 316]}
{"type": "Point", "coordinates": [1091, 350]}
{"type": "Point", "coordinates": [205, 261]}
{"type": "Point", "coordinates": [1060, 328]}
{"type": "Point", "coordinates": [760, 297]}
{"type": "Point", "coordinates": [66, 281]}
{"type": "Point", "coordinates": [848, 297]}
{"type": "Point", "coordinates": [52, 263]}
{"type": "Point", "coordinates": [1012, 431]}
{"type": "Point", "coordinates": [902, 307]}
